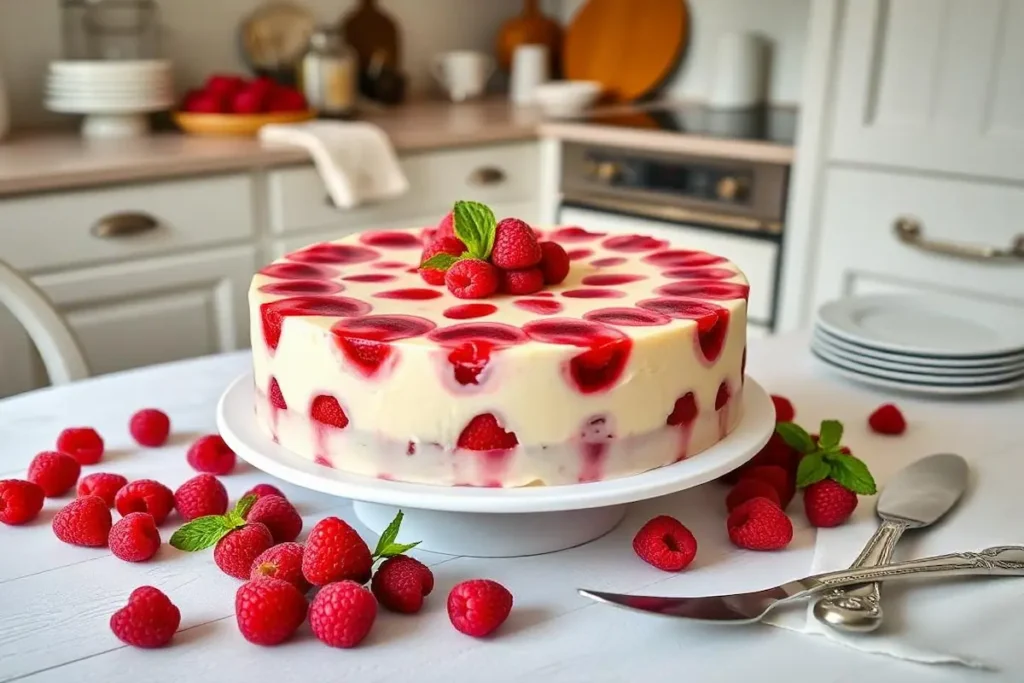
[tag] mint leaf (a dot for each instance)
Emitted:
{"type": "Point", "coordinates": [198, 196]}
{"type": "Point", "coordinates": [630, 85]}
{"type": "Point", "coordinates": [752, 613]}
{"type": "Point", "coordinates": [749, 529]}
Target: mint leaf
{"type": "Point", "coordinates": [440, 261]}
{"type": "Point", "coordinates": [812, 469]}
{"type": "Point", "coordinates": [202, 533]}
{"type": "Point", "coordinates": [474, 225]}
{"type": "Point", "coordinates": [795, 435]}
{"type": "Point", "coordinates": [831, 433]}
{"type": "Point", "coordinates": [853, 474]}
{"type": "Point", "coordinates": [389, 535]}
{"type": "Point", "coordinates": [395, 549]}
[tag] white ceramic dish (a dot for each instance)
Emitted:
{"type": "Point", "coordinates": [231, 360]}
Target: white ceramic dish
{"type": "Point", "coordinates": [73, 106]}
{"type": "Point", "coordinates": [566, 99]}
{"type": "Point", "coordinates": [492, 522]}
{"type": "Point", "coordinates": [820, 341]}
{"type": "Point", "coordinates": [927, 325]}
{"type": "Point", "coordinates": [928, 362]}
{"type": "Point", "coordinates": [858, 365]}
{"type": "Point", "coordinates": [106, 69]}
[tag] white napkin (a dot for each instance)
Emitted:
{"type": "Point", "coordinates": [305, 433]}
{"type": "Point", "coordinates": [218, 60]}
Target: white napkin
{"type": "Point", "coordinates": [355, 159]}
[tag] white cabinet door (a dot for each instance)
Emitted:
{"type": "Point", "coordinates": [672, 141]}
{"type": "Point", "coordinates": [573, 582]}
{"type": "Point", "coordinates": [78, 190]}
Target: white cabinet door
{"type": "Point", "coordinates": [932, 85]}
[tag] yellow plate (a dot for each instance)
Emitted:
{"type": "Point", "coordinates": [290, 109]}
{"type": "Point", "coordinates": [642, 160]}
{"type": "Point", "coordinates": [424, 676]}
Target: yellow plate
{"type": "Point", "coordinates": [235, 124]}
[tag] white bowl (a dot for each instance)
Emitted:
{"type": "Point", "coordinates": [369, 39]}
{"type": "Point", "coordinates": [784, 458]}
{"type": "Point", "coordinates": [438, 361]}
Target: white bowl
{"type": "Point", "coordinates": [566, 99]}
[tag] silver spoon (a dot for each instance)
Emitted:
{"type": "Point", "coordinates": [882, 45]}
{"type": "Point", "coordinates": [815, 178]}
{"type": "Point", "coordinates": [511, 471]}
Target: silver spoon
{"type": "Point", "coordinates": [748, 608]}
{"type": "Point", "coordinates": [919, 495]}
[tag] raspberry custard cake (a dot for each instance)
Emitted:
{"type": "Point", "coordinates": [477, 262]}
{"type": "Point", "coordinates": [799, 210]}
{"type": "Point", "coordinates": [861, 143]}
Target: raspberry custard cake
{"type": "Point", "coordinates": [480, 353]}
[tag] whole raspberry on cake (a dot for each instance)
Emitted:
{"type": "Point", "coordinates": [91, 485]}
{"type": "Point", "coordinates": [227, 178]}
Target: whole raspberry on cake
{"type": "Point", "coordinates": [624, 357]}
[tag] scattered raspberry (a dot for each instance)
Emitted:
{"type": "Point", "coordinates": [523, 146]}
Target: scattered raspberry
{"type": "Point", "coordinates": [342, 614]}
{"type": "Point", "coordinates": [828, 503]}
{"type": "Point", "coordinates": [472, 278]}
{"type": "Point", "coordinates": [515, 245]}
{"type": "Point", "coordinates": [887, 419]}
{"type": "Point", "coordinates": [211, 455]}
{"type": "Point", "coordinates": [400, 584]}
{"type": "Point", "coordinates": [759, 524]}
{"type": "Point", "coordinates": [479, 606]}
{"type": "Point", "coordinates": [279, 516]}
{"type": "Point", "coordinates": [102, 484]}
{"type": "Point", "coordinates": [775, 452]}
{"type": "Point", "coordinates": [745, 489]}
{"type": "Point", "coordinates": [778, 477]}
{"type": "Point", "coordinates": [83, 521]}
{"type": "Point", "coordinates": [554, 262]}
{"type": "Point", "coordinates": [784, 411]}
{"type": "Point", "coordinates": [200, 496]}
{"type": "Point", "coordinates": [452, 246]}
{"type": "Point", "coordinates": [235, 553]}
{"type": "Point", "coordinates": [54, 472]}
{"type": "Point", "coordinates": [525, 281]}
{"type": "Point", "coordinates": [148, 620]}
{"type": "Point", "coordinates": [666, 544]}
{"type": "Point", "coordinates": [150, 427]}
{"type": "Point", "coordinates": [335, 552]}
{"type": "Point", "coordinates": [145, 495]}
{"type": "Point", "coordinates": [134, 538]}
{"type": "Point", "coordinates": [20, 501]}
{"type": "Point", "coordinates": [446, 228]}
{"type": "Point", "coordinates": [283, 562]}
{"type": "Point", "coordinates": [84, 444]}
{"type": "Point", "coordinates": [260, 490]}
{"type": "Point", "coordinates": [269, 611]}
{"type": "Point", "coordinates": [483, 433]}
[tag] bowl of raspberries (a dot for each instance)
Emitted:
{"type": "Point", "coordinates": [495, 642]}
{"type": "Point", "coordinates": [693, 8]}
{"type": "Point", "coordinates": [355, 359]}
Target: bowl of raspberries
{"type": "Point", "coordinates": [228, 104]}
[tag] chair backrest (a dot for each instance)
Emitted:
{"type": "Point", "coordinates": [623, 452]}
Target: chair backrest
{"type": "Point", "coordinates": [61, 353]}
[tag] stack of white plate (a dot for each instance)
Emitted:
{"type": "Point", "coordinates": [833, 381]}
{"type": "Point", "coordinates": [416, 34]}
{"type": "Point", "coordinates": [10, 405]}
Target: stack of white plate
{"type": "Point", "coordinates": [115, 96]}
{"type": "Point", "coordinates": [928, 344]}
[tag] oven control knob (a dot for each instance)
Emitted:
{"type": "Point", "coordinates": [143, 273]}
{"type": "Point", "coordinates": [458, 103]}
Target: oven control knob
{"type": "Point", "coordinates": [608, 172]}
{"type": "Point", "coordinates": [731, 189]}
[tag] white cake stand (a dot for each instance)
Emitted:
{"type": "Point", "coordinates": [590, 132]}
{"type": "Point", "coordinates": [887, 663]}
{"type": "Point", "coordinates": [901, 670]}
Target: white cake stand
{"type": "Point", "coordinates": [491, 522]}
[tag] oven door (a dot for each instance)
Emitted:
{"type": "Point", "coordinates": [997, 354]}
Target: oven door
{"type": "Point", "coordinates": [756, 254]}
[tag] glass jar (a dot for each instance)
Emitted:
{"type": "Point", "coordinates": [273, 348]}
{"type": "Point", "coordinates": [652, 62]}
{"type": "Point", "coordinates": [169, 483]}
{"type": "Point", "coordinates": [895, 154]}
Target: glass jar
{"type": "Point", "coordinates": [111, 29]}
{"type": "Point", "coordinates": [327, 74]}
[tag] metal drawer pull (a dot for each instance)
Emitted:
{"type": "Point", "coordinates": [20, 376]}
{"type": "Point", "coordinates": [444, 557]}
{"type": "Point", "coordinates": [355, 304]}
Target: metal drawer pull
{"type": "Point", "coordinates": [909, 231]}
{"type": "Point", "coordinates": [124, 225]}
{"type": "Point", "coordinates": [487, 175]}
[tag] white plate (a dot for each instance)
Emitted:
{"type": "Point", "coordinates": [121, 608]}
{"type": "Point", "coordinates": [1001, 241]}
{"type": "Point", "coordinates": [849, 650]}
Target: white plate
{"type": "Point", "coordinates": [106, 69]}
{"type": "Point", "coordinates": [904, 374]}
{"type": "Point", "coordinates": [77, 107]}
{"type": "Point", "coordinates": [929, 325]}
{"type": "Point", "coordinates": [925, 362]}
{"type": "Point", "coordinates": [820, 341]}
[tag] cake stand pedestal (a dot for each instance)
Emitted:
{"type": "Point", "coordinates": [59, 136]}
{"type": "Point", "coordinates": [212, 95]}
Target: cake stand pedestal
{"type": "Point", "coordinates": [492, 522]}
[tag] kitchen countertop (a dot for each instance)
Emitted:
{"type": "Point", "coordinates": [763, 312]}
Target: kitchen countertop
{"type": "Point", "coordinates": [57, 599]}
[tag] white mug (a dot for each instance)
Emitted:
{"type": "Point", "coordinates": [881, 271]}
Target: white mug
{"type": "Point", "coordinates": [463, 73]}
{"type": "Point", "coordinates": [529, 69]}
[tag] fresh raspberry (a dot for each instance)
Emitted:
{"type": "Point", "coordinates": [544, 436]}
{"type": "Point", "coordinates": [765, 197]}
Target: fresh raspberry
{"type": "Point", "coordinates": [200, 496]}
{"type": "Point", "coordinates": [784, 411]}
{"type": "Point", "coordinates": [335, 552]}
{"type": "Point", "coordinates": [446, 228]}
{"type": "Point", "coordinates": [472, 278]}
{"type": "Point", "coordinates": [54, 472]}
{"type": "Point", "coordinates": [102, 484]}
{"type": "Point", "coordinates": [269, 611]}
{"type": "Point", "coordinates": [134, 538]}
{"type": "Point", "coordinates": [775, 452]}
{"type": "Point", "coordinates": [83, 521]}
{"type": "Point", "coordinates": [342, 614]}
{"type": "Point", "coordinates": [145, 495]}
{"type": "Point", "coordinates": [759, 524]}
{"type": "Point", "coordinates": [452, 246]}
{"type": "Point", "coordinates": [260, 490]}
{"type": "Point", "coordinates": [283, 562]}
{"type": "Point", "coordinates": [235, 553]}
{"type": "Point", "coordinates": [148, 620]}
{"type": "Point", "coordinates": [554, 262]}
{"type": "Point", "coordinates": [666, 544]}
{"type": "Point", "coordinates": [484, 433]}
{"type": "Point", "coordinates": [150, 427]}
{"type": "Point", "coordinates": [515, 245]}
{"type": "Point", "coordinates": [478, 606]}
{"type": "Point", "coordinates": [20, 501]}
{"type": "Point", "coordinates": [778, 477]}
{"type": "Point", "coordinates": [84, 444]}
{"type": "Point", "coordinates": [400, 584]}
{"type": "Point", "coordinates": [828, 503]}
{"type": "Point", "coordinates": [887, 419]}
{"type": "Point", "coordinates": [278, 515]}
{"type": "Point", "coordinates": [525, 281]}
{"type": "Point", "coordinates": [211, 455]}
{"type": "Point", "coordinates": [745, 489]}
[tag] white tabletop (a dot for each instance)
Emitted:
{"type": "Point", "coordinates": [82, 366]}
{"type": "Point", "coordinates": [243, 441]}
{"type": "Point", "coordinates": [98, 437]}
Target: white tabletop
{"type": "Point", "coordinates": [55, 600]}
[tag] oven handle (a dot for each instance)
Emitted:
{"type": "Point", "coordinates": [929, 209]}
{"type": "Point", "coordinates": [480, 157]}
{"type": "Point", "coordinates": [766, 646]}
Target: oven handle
{"type": "Point", "coordinates": [671, 214]}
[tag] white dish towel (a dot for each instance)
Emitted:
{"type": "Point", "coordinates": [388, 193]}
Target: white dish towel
{"type": "Point", "coordinates": [356, 160]}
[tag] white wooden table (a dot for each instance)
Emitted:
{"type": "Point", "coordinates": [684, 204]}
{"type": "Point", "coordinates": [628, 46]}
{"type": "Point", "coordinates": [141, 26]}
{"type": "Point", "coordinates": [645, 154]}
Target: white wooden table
{"type": "Point", "coordinates": [55, 600]}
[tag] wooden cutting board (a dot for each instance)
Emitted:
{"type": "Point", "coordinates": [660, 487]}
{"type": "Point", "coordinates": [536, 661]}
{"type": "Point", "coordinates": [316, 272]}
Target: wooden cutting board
{"type": "Point", "coordinates": [630, 46]}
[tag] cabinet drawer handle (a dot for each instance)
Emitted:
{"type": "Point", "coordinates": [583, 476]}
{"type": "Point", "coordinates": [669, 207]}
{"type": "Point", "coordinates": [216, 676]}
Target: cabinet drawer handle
{"type": "Point", "coordinates": [910, 231]}
{"type": "Point", "coordinates": [124, 225]}
{"type": "Point", "coordinates": [487, 175]}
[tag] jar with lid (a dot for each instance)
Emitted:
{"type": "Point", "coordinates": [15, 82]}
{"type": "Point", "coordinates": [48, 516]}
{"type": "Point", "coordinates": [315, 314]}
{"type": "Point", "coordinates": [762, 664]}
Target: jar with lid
{"type": "Point", "coordinates": [328, 74]}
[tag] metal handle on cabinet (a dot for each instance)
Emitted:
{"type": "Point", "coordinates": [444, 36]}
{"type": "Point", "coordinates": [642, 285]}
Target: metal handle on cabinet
{"type": "Point", "coordinates": [487, 175]}
{"type": "Point", "coordinates": [124, 225]}
{"type": "Point", "coordinates": [910, 231]}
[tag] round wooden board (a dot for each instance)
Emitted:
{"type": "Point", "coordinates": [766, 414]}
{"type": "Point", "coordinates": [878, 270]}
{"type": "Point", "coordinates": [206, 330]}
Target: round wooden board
{"type": "Point", "coordinates": [630, 47]}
